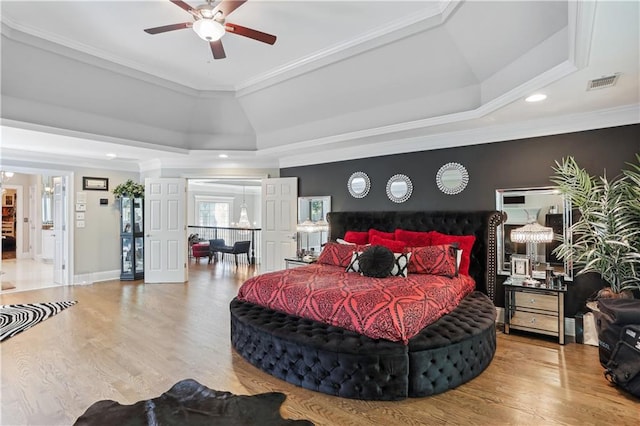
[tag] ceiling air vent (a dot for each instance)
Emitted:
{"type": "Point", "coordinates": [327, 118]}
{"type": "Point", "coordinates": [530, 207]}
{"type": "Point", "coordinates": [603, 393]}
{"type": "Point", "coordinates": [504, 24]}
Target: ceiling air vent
{"type": "Point", "coordinates": [603, 82]}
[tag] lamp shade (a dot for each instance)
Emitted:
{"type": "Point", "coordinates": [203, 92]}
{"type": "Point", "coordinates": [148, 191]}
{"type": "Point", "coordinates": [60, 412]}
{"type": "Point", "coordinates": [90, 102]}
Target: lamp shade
{"type": "Point", "coordinates": [532, 233]}
{"type": "Point", "coordinates": [208, 29]}
{"type": "Point", "coordinates": [307, 226]}
{"type": "Point", "coordinates": [322, 225]}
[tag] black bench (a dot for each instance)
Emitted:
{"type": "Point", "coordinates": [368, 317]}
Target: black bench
{"type": "Point", "coordinates": [239, 247]}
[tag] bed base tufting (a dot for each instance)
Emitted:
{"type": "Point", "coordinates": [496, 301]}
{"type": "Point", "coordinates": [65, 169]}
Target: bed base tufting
{"type": "Point", "coordinates": [335, 361]}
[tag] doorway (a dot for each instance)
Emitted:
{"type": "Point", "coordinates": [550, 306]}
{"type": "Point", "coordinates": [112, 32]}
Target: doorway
{"type": "Point", "coordinates": [34, 263]}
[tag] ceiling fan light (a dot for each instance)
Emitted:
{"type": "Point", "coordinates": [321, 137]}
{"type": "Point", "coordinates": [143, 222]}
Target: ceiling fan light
{"type": "Point", "coordinates": [208, 29]}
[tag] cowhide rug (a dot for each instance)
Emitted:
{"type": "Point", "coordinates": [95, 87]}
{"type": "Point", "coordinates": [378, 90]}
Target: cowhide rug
{"type": "Point", "coordinates": [190, 403]}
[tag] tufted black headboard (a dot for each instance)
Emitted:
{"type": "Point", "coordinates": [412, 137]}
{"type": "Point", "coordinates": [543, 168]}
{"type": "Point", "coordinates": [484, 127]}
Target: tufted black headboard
{"type": "Point", "coordinates": [482, 224]}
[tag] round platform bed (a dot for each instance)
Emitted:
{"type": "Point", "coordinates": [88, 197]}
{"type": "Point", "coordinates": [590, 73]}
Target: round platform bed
{"type": "Point", "coordinates": [451, 351]}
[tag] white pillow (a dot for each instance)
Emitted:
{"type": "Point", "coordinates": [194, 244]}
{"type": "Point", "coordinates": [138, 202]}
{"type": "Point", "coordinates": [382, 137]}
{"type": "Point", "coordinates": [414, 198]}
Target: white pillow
{"type": "Point", "coordinates": [400, 264]}
{"type": "Point", "coordinates": [341, 241]}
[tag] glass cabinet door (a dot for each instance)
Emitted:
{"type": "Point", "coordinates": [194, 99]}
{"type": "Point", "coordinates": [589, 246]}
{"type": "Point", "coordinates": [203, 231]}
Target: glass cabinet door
{"type": "Point", "coordinates": [127, 254]}
{"type": "Point", "coordinates": [139, 254]}
{"type": "Point", "coordinates": [131, 238]}
{"type": "Point", "coordinates": [125, 212]}
{"type": "Point", "coordinates": [137, 215]}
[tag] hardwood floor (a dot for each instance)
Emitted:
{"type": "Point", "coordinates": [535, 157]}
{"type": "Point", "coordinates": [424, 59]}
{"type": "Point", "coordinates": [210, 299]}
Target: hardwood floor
{"type": "Point", "coordinates": [128, 341]}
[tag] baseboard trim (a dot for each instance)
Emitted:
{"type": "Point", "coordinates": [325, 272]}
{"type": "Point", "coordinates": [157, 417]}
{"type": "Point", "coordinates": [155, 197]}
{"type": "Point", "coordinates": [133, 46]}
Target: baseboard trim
{"type": "Point", "coordinates": [95, 277]}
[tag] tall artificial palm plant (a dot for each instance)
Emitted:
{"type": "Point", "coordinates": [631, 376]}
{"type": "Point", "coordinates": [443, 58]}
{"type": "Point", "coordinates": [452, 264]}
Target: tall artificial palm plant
{"type": "Point", "coordinates": [606, 236]}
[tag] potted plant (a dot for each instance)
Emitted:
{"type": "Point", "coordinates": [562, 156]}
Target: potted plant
{"type": "Point", "coordinates": [129, 189]}
{"type": "Point", "coordinates": [606, 235]}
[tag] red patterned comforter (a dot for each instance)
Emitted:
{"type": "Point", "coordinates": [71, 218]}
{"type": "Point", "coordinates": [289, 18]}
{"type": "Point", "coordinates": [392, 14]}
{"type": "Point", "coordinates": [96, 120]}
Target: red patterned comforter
{"type": "Point", "coordinates": [393, 308]}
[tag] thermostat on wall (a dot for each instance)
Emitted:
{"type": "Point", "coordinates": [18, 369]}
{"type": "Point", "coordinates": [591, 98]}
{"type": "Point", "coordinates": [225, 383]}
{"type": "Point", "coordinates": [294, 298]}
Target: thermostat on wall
{"type": "Point", "coordinates": [104, 201]}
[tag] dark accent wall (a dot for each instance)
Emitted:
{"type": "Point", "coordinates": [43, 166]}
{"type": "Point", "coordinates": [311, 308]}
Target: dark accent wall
{"type": "Point", "coordinates": [511, 164]}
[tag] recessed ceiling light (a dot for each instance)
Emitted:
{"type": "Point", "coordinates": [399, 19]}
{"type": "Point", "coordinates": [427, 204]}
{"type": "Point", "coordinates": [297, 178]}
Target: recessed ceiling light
{"type": "Point", "coordinates": [536, 97]}
{"type": "Point", "coordinates": [111, 155]}
{"type": "Point", "coordinates": [223, 156]}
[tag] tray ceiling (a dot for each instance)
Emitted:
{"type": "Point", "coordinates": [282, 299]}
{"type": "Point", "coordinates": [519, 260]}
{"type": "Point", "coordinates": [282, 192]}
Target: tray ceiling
{"type": "Point", "coordinates": [342, 75]}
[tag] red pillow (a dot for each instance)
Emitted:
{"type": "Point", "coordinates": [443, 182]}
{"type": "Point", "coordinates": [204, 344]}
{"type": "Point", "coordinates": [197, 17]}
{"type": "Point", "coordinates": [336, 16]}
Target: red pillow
{"type": "Point", "coordinates": [357, 237]}
{"type": "Point", "coordinates": [465, 243]}
{"type": "Point", "coordinates": [338, 254]}
{"type": "Point", "coordinates": [385, 235]}
{"type": "Point", "coordinates": [414, 238]}
{"type": "Point", "coordinates": [434, 260]}
{"type": "Point", "coordinates": [393, 245]}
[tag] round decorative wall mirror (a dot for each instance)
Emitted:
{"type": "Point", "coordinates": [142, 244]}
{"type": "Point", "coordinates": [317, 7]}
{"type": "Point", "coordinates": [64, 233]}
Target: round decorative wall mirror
{"type": "Point", "coordinates": [399, 188]}
{"type": "Point", "coordinates": [359, 185]}
{"type": "Point", "coordinates": [452, 178]}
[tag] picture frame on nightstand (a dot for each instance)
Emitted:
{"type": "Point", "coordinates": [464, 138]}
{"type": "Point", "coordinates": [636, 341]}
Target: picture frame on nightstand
{"type": "Point", "coordinates": [520, 266]}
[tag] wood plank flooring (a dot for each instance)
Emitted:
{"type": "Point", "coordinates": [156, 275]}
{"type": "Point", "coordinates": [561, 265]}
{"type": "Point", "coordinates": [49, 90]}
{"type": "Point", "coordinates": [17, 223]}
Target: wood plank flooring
{"type": "Point", "coordinates": [128, 341]}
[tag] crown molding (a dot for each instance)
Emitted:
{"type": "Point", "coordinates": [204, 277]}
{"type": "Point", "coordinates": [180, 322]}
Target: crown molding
{"type": "Point", "coordinates": [434, 14]}
{"type": "Point", "coordinates": [41, 160]}
{"type": "Point", "coordinates": [541, 80]}
{"type": "Point", "coordinates": [89, 55]}
{"type": "Point", "coordinates": [582, 16]}
{"type": "Point", "coordinates": [619, 116]}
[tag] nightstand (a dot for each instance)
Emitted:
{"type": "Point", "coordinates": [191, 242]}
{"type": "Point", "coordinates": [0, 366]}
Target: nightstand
{"type": "Point", "coordinates": [295, 262]}
{"type": "Point", "coordinates": [536, 308]}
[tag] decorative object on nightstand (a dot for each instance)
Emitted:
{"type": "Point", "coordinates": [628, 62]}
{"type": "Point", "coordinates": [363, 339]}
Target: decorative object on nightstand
{"type": "Point", "coordinates": [296, 262]}
{"type": "Point", "coordinates": [532, 234]}
{"type": "Point", "coordinates": [537, 308]}
{"type": "Point", "coordinates": [308, 227]}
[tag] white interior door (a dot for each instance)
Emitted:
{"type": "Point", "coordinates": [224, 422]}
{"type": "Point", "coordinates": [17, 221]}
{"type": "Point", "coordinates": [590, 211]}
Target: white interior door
{"type": "Point", "coordinates": [33, 211]}
{"type": "Point", "coordinates": [165, 247]}
{"type": "Point", "coordinates": [279, 219]}
{"type": "Point", "coordinates": [59, 228]}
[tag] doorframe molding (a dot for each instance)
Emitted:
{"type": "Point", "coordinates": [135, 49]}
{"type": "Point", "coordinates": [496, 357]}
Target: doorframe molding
{"type": "Point", "coordinates": [68, 277]}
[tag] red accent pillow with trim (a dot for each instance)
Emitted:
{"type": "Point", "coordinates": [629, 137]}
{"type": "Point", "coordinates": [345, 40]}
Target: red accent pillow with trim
{"type": "Point", "coordinates": [434, 260]}
{"type": "Point", "coordinates": [393, 245]}
{"type": "Point", "coordinates": [381, 234]}
{"type": "Point", "coordinates": [414, 238]}
{"type": "Point", "coordinates": [357, 237]}
{"type": "Point", "coordinates": [465, 243]}
{"type": "Point", "coordinates": [338, 254]}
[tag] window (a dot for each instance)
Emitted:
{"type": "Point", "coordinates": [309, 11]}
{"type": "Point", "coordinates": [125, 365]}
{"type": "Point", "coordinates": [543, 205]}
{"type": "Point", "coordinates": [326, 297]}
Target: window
{"type": "Point", "coordinates": [213, 211]}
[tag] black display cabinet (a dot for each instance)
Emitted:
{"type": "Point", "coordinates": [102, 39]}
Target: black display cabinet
{"type": "Point", "coordinates": [131, 238]}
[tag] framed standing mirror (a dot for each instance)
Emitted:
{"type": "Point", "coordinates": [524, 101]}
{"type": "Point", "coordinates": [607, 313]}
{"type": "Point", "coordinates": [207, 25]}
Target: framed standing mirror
{"type": "Point", "coordinates": [545, 206]}
{"type": "Point", "coordinates": [313, 229]}
{"type": "Point", "coordinates": [399, 188]}
{"type": "Point", "coordinates": [359, 185]}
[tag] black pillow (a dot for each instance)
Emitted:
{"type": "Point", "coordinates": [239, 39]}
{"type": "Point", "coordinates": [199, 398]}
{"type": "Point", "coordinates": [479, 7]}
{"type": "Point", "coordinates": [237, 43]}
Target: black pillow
{"type": "Point", "coordinates": [376, 262]}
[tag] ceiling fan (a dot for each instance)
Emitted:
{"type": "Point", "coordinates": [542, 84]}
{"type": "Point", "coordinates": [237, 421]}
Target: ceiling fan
{"type": "Point", "coordinates": [210, 24]}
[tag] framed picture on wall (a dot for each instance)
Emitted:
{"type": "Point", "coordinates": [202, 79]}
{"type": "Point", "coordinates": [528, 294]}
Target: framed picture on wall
{"type": "Point", "coordinates": [95, 183]}
{"type": "Point", "coordinates": [520, 266]}
{"type": "Point", "coordinates": [8, 200]}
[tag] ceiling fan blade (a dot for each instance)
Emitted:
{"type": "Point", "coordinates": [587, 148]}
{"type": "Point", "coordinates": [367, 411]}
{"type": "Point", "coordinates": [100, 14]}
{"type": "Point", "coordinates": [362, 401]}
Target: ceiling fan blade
{"type": "Point", "coordinates": [248, 32]}
{"type": "Point", "coordinates": [182, 4]}
{"type": "Point", "coordinates": [172, 27]}
{"type": "Point", "coordinates": [217, 49]}
{"type": "Point", "coordinates": [228, 6]}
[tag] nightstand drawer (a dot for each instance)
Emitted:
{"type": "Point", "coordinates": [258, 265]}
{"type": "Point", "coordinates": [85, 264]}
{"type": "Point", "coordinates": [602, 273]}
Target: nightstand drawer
{"type": "Point", "coordinates": [536, 301]}
{"type": "Point", "coordinates": [533, 320]}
